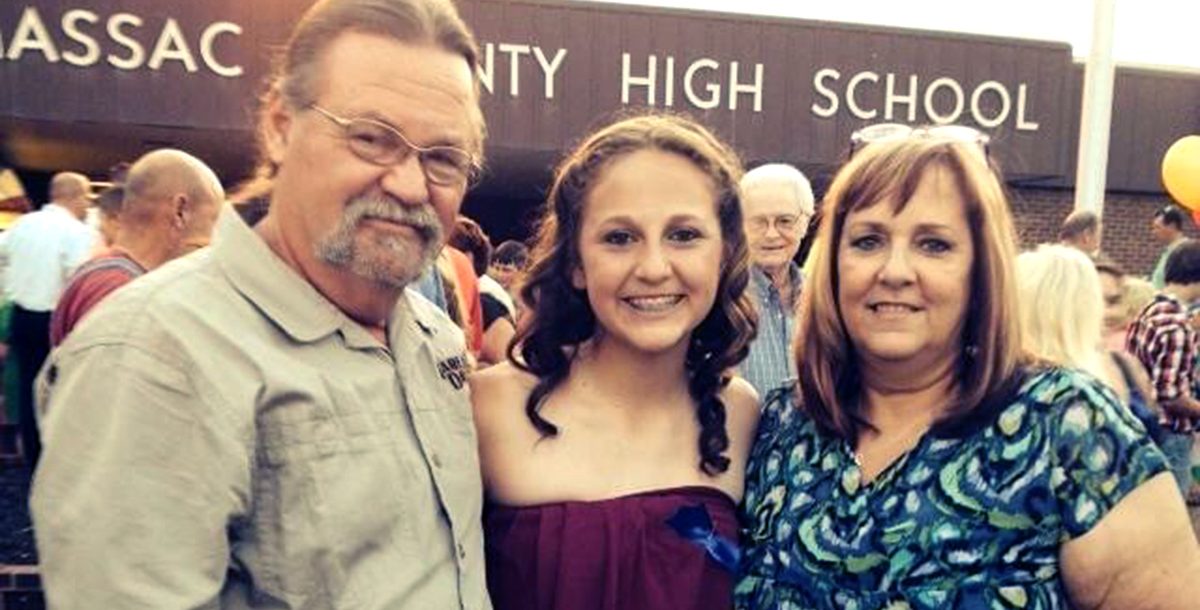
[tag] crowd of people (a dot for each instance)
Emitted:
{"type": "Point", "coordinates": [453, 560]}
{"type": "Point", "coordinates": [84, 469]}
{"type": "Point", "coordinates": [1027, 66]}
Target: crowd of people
{"type": "Point", "coordinates": [341, 395]}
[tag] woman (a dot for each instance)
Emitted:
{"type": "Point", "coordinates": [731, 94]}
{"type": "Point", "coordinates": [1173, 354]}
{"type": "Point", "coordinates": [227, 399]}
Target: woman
{"type": "Point", "coordinates": [1066, 306]}
{"type": "Point", "coordinates": [1136, 294]}
{"type": "Point", "coordinates": [1112, 288]}
{"type": "Point", "coordinates": [614, 443]}
{"type": "Point", "coordinates": [1061, 299]}
{"type": "Point", "coordinates": [924, 463]}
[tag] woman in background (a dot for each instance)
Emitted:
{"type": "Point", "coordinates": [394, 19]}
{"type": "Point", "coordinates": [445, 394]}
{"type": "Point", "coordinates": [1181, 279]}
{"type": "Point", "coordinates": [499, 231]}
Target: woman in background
{"type": "Point", "coordinates": [614, 443]}
{"type": "Point", "coordinates": [1063, 311]}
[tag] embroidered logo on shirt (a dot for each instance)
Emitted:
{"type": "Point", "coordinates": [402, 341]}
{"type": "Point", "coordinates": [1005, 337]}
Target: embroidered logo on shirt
{"type": "Point", "coordinates": [454, 370]}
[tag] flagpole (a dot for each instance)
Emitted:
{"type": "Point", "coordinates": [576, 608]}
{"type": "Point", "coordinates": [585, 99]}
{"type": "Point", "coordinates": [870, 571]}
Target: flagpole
{"type": "Point", "coordinates": [1096, 116]}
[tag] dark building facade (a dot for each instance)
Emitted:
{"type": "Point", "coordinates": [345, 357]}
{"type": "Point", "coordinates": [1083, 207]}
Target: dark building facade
{"type": "Point", "coordinates": [85, 83]}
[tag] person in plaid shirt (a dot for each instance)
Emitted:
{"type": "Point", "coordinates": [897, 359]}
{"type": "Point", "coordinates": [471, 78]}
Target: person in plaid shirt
{"type": "Point", "coordinates": [1165, 342]}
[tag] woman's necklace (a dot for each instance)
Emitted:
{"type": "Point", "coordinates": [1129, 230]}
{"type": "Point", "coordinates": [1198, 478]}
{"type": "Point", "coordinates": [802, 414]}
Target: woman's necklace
{"type": "Point", "coordinates": [904, 440]}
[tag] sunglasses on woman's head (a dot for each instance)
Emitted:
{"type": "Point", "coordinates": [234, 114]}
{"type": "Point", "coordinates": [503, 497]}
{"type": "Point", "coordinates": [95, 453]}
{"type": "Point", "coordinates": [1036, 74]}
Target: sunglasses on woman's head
{"type": "Point", "coordinates": [888, 132]}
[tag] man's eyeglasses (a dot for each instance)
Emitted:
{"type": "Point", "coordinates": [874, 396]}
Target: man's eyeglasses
{"type": "Point", "coordinates": [787, 223]}
{"type": "Point", "coordinates": [381, 144]}
{"type": "Point", "coordinates": [881, 132]}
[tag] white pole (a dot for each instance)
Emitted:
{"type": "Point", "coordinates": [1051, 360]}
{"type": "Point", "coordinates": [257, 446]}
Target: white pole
{"type": "Point", "coordinates": [1096, 117]}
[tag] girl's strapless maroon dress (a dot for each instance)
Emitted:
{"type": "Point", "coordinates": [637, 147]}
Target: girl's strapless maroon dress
{"type": "Point", "coordinates": [615, 554]}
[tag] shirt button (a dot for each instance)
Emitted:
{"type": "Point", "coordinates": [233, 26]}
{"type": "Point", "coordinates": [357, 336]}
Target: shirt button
{"type": "Point", "coordinates": [462, 552]}
{"type": "Point", "coordinates": [436, 459]}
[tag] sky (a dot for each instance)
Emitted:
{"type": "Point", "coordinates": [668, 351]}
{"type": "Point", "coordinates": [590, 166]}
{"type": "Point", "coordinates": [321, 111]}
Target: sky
{"type": "Point", "coordinates": [1147, 32]}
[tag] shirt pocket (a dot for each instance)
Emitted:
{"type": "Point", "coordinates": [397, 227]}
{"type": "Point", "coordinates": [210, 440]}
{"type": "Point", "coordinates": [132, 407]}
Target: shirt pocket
{"type": "Point", "coordinates": [330, 484]}
{"type": "Point", "coordinates": [442, 414]}
{"type": "Point", "coordinates": [440, 402]}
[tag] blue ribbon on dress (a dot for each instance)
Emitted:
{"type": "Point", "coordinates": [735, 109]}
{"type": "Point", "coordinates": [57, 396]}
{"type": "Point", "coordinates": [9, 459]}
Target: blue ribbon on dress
{"type": "Point", "coordinates": [694, 524]}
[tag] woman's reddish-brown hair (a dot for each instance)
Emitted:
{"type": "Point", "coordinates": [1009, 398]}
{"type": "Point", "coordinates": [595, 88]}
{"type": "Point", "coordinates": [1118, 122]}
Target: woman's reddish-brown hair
{"type": "Point", "coordinates": [888, 172]}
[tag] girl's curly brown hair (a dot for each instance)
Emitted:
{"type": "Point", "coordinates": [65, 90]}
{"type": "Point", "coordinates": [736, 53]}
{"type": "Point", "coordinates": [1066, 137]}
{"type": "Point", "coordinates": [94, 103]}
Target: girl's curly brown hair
{"type": "Point", "coordinates": [560, 317]}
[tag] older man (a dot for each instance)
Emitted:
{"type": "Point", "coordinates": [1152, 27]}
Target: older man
{"type": "Point", "coordinates": [1081, 230]}
{"type": "Point", "coordinates": [777, 204]}
{"type": "Point", "coordinates": [274, 422]}
{"type": "Point", "coordinates": [168, 208]}
{"type": "Point", "coordinates": [42, 249]}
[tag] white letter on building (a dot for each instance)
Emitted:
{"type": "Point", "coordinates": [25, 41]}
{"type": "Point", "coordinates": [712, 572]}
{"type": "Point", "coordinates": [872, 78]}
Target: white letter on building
{"type": "Point", "coordinates": [549, 68]}
{"type": "Point", "coordinates": [206, 48]}
{"type": "Point", "coordinates": [70, 26]}
{"type": "Point", "coordinates": [736, 88]}
{"type": "Point", "coordinates": [825, 92]}
{"type": "Point", "coordinates": [1022, 124]}
{"type": "Point", "coordinates": [628, 80]}
{"type": "Point", "coordinates": [852, 103]}
{"type": "Point", "coordinates": [487, 67]}
{"type": "Point", "coordinates": [515, 51]}
{"type": "Point", "coordinates": [891, 98]}
{"type": "Point", "coordinates": [172, 45]}
{"type": "Point", "coordinates": [136, 54]}
{"type": "Point", "coordinates": [669, 82]}
{"type": "Point", "coordinates": [32, 34]}
{"type": "Point", "coordinates": [959, 99]}
{"type": "Point", "coordinates": [714, 90]}
{"type": "Point", "coordinates": [1005, 104]}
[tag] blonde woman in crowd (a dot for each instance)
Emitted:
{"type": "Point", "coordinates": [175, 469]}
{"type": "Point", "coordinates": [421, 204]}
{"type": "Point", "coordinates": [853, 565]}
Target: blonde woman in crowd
{"type": "Point", "coordinates": [1063, 315]}
{"type": "Point", "coordinates": [1136, 294]}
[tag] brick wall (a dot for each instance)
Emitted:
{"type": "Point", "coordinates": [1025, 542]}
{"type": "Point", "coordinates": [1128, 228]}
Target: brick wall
{"type": "Point", "coordinates": [1127, 238]}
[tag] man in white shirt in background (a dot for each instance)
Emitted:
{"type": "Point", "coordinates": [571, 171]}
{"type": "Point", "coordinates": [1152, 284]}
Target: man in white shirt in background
{"type": "Point", "coordinates": [42, 250]}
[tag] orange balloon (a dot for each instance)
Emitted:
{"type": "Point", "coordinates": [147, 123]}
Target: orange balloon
{"type": "Point", "coordinates": [1181, 171]}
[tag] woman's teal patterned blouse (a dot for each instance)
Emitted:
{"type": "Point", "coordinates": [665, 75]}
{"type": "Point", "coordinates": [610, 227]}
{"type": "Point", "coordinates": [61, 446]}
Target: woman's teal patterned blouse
{"type": "Point", "coordinates": [973, 521]}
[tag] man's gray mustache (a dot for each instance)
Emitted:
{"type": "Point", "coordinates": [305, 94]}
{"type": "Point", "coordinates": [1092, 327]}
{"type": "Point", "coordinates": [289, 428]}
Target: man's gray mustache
{"type": "Point", "coordinates": [422, 220]}
{"type": "Point", "coordinates": [426, 230]}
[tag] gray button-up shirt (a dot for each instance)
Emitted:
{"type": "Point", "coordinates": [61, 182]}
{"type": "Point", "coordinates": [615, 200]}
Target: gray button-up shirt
{"type": "Point", "coordinates": [770, 363]}
{"type": "Point", "coordinates": [219, 435]}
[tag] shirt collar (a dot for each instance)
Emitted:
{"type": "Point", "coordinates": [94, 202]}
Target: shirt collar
{"type": "Point", "coordinates": [123, 253]}
{"type": "Point", "coordinates": [59, 208]}
{"type": "Point", "coordinates": [764, 286]}
{"type": "Point", "coordinates": [274, 287]}
{"type": "Point", "coordinates": [293, 303]}
{"type": "Point", "coordinates": [1175, 301]}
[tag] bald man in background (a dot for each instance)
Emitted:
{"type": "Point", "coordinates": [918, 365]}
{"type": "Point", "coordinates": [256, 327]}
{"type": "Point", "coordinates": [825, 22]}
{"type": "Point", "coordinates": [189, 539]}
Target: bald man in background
{"type": "Point", "coordinates": [169, 207]}
{"type": "Point", "coordinates": [42, 249]}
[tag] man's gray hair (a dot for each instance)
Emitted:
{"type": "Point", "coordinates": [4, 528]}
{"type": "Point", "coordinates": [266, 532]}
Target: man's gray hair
{"type": "Point", "coordinates": [1077, 223]}
{"type": "Point", "coordinates": [297, 68]}
{"type": "Point", "coordinates": [781, 173]}
{"type": "Point", "coordinates": [434, 22]}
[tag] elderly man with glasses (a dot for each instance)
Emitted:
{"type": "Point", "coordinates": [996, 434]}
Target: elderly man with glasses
{"type": "Point", "coordinates": [276, 422]}
{"type": "Point", "coordinates": [777, 204]}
